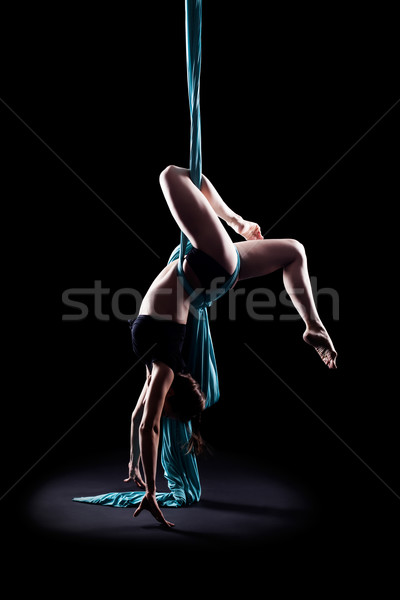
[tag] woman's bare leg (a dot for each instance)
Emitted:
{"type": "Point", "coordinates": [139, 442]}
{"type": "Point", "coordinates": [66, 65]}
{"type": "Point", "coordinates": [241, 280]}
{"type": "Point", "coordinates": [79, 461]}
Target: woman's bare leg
{"type": "Point", "coordinates": [262, 257]}
{"type": "Point", "coordinates": [196, 217]}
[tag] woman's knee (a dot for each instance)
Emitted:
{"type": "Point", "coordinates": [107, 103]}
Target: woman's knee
{"type": "Point", "coordinates": [297, 248]}
{"type": "Point", "coordinates": [170, 174]}
{"type": "Point", "coordinates": [166, 174]}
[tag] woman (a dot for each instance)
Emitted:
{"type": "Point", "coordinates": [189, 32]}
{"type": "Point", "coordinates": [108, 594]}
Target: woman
{"type": "Point", "coordinates": [159, 331]}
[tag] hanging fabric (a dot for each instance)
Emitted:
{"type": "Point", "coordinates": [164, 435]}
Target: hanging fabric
{"type": "Point", "coordinates": [180, 467]}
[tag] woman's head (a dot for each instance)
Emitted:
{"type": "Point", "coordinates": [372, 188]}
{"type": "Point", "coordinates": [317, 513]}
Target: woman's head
{"type": "Point", "coordinates": [186, 398]}
{"type": "Point", "coordinates": [185, 401]}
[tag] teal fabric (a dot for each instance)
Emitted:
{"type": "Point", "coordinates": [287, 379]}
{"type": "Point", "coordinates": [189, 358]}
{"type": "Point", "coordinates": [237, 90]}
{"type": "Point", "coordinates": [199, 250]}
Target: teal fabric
{"type": "Point", "coordinates": [193, 68]}
{"type": "Point", "coordinates": [180, 468]}
{"type": "Point", "coordinates": [200, 357]}
{"type": "Point", "coordinates": [193, 25]}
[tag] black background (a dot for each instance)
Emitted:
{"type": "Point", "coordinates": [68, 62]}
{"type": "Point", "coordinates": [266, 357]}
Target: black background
{"type": "Point", "coordinates": [284, 95]}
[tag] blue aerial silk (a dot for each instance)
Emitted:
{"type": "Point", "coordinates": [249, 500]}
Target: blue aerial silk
{"type": "Point", "coordinates": [180, 467]}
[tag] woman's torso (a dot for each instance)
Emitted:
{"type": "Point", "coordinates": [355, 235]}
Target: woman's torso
{"type": "Point", "coordinates": [166, 298]}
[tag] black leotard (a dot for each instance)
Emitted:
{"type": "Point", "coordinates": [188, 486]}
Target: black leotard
{"type": "Point", "coordinates": [163, 340]}
{"type": "Point", "coordinates": [158, 340]}
{"type": "Point", "coordinates": [206, 268]}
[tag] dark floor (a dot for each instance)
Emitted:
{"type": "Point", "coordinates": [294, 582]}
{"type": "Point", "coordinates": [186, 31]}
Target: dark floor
{"type": "Point", "coordinates": [253, 522]}
{"type": "Point", "coordinates": [240, 504]}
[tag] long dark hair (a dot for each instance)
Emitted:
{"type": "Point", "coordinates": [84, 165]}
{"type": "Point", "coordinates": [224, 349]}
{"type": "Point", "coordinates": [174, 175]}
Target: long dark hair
{"type": "Point", "coordinates": [188, 402]}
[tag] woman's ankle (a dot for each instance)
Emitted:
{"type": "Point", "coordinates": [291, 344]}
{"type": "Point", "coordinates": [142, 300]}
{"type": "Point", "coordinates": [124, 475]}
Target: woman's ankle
{"type": "Point", "coordinates": [315, 325]}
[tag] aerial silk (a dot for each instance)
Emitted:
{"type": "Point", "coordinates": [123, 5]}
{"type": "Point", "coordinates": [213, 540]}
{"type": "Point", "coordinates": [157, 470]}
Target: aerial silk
{"type": "Point", "coordinates": [180, 467]}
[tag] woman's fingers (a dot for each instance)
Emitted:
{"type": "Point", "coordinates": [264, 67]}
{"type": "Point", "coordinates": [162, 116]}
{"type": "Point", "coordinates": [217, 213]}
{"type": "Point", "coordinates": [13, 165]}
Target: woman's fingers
{"type": "Point", "coordinates": [157, 514]}
{"type": "Point", "coordinates": [152, 506]}
{"type": "Point", "coordinates": [163, 520]}
{"type": "Point", "coordinates": [144, 505]}
{"type": "Point", "coordinates": [253, 232]}
{"type": "Point", "coordinates": [168, 524]}
{"type": "Point", "coordinates": [257, 232]}
{"type": "Point", "coordinates": [139, 482]}
{"type": "Point", "coordinates": [139, 509]}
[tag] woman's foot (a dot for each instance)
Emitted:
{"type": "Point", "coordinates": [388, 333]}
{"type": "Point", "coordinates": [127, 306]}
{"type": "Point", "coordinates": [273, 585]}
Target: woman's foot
{"type": "Point", "coordinates": [317, 336]}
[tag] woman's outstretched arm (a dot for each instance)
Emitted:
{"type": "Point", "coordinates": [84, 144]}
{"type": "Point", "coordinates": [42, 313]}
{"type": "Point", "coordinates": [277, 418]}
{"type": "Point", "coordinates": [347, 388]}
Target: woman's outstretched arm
{"type": "Point", "coordinates": [149, 435]}
{"type": "Point", "coordinates": [134, 457]}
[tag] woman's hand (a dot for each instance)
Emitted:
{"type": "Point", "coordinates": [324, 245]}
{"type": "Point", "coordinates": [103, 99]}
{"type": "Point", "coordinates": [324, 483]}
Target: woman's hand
{"type": "Point", "coordinates": [135, 476]}
{"type": "Point", "coordinates": [149, 503]}
{"type": "Point", "coordinates": [247, 229]}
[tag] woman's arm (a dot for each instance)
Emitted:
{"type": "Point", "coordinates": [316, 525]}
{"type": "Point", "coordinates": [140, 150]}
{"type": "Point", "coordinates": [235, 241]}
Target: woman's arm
{"type": "Point", "coordinates": [149, 435]}
{"type": "Point", "coordinates": [134, 457]}
{"type": "Point", "coordinates": [247, 229]}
